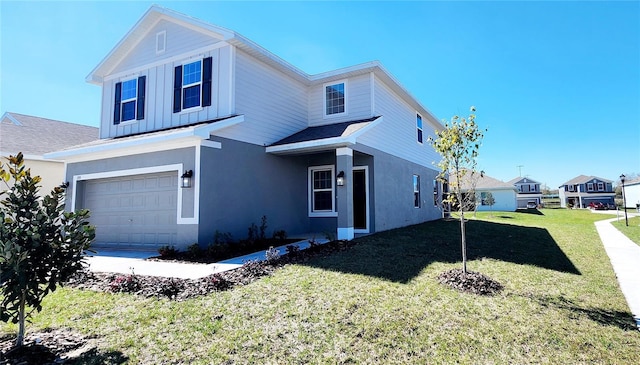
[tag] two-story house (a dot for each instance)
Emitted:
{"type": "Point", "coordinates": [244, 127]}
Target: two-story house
{"type": "Point", "coordinates": [203, 130]}
{"type": "Point", "coordinates": [528, 191]}
{"type": "Point", "coordinates": [583, 190]}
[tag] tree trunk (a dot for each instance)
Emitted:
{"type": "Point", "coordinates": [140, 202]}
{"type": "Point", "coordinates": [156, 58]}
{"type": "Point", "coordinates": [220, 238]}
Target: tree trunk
{"type": "Point", "coordinates": [20, 338]}
{"type": "Point", "coordinates": [464, 242]}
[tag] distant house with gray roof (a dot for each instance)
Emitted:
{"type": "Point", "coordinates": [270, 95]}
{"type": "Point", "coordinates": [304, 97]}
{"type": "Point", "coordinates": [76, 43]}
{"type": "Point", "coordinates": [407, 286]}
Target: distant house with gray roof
{"type": "Point", "coordinates": [528, 191]}
{"type": "Point", "coordinates": [504, 194]}
{"type": "Point", "coordinates": [583, 190]}
{"type": "Point", "coordinates": [34, 137]}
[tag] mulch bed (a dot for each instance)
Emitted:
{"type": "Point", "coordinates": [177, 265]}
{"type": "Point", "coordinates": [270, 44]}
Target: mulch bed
{"type": "Point", "coordinates": [471, 282]}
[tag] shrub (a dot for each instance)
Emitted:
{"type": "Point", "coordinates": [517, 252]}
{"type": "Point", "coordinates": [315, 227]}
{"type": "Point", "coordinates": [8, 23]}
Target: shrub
{"type": "Point", "coordinates": [125, 284]}
{"type": "Point", "coordinates": [219, 282]}
{"type": "Point", "coordinates": [280, 235]}
{"type": "Point", "coordinates": [293, 250]}
{"type": "Point", "coordinates": [263, 228]}
{"type": "Point", "coordinates": [194, 250]}
{"type": "Point", "coordinates": [167, 251]}
{"type": "Point", "coordinates": [272, 254]}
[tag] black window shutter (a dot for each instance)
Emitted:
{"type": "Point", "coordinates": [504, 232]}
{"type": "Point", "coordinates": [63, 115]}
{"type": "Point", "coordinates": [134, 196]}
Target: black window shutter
{"type": "Point", "coordinates": [206, 82]}
{"type": "Point", "coordinates": [177, 89]}
{"type": "Point", "coordinates": [141, 91]}
{"type": "Point", "coordinates": [116, 104]}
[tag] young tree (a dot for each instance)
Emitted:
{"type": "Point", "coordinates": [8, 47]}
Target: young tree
{"type": "Point", "coordinates": [458, 144]}
{"type": "Point", "coordinates": [41, 245]}
{"type": "Point", "coordinates": [489, 200]}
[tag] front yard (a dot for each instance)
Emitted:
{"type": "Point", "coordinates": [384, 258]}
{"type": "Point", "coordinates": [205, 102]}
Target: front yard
{"type": "Point", "coordinates": [632, 230]}
{"type": "Point", "coordinates": [380, 302]}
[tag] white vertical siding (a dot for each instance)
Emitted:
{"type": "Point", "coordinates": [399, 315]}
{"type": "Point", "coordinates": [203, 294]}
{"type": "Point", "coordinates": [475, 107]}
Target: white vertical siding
{"type": "Point", "coordinates": [274, 105]}
{"type": "Point", "coordinates": [358, 103]}
{"type": "Point", "coordinates": [159, 97]}
{"type": "Point", "coordinates": [397, 134]}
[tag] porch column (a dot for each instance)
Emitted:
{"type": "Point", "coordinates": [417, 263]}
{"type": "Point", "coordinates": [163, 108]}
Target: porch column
{"type": "Point", "coordinates": [344, 194]}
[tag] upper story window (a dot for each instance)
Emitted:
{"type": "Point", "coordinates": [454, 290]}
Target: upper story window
{"type": "Point", "coordinates": [570, 187]}
{"type": "Point", "coordinates": [335, 99]}
{"type": "Point", "coordinates": [416, 191]}
{"type": "Point", "coordinates": [600, 186]}
{"type": "Point", "coordinates": [192, 85]}
{"type": "Point", "coordinates": [321, 191]}
{"type": "Point", "coordinates": [435, 193]}
{"type": "Point", "coordinates": [129, 100]}
{"type": "Point", "coordinates": [589, 186]}
{"type": "Point", "coordinates": [419, 127]}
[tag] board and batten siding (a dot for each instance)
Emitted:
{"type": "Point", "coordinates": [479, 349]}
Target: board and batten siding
{"type": "Point", "coordinates": [358, 103]}
{"type": "Point", "coordinates": [397, 135]}
{"type": "Point", "coordinates": [159, 97]}
{"type": "Point", "coordinates": [274, 105]}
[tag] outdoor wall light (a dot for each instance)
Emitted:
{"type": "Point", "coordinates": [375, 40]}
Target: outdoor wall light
{"type": "Point", "coordinates": [186, 179]}
{"type": "Point", "coordinates": [340, 179]}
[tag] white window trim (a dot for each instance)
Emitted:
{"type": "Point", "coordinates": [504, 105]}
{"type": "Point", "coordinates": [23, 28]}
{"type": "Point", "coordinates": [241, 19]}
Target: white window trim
{"type": "Point", "coordinates": [134, 99]}
{"type": "Point", "coordinates": [589, 186]}
{"type": "Point", "coordinates": [199, 106]}
{"type": "Point", "coordinates": [600, 186]}
{"type": "Point", "coordinates": [570, 187]}
{"type": "Point", "coordinates": [419, 128]}
{"type": "Point", "coordinates": [332, 212]}
{"type": "Point", "coordinates": [416, 191]}
{"type": "Point", "coordinates": [324, 99]}
{"type": "Point", "coordinates": [161, 42]}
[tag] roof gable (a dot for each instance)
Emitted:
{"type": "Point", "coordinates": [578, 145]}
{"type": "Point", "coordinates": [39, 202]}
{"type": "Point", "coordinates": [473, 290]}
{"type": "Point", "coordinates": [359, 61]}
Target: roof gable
{"type": "Point", "coordinates": [143, 29]}
{"type": "Point", "coordinates": [583, 179]}
{"type": "Point", "coordinates": [523, 180]}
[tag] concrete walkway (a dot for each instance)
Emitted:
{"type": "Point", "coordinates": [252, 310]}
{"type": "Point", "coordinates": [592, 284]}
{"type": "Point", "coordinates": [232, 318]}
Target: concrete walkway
{"type": "Point", "coordinates": [625, 259]}
{"type": "Point", "coordinates": [128, 261]}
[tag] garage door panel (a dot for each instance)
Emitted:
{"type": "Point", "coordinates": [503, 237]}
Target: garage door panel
{"type": "Point", "coordinates": [137, 210]}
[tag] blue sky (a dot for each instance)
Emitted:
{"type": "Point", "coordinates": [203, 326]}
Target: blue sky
{"type": "Point", "coordinates": [556, 83]}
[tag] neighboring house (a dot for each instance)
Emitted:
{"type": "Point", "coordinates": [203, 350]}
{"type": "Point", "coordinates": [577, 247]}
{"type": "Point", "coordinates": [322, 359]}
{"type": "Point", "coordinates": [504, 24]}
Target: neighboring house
{"type": "Point", "coordinates": [582, 190]}
{"type": "Point", "coordinates": [344, 152]}
{"type": "Point", "coordinates": [528, 191]}
{"type": "Point", "coordinates": [34, 136]}
{"type": "Point", "coordinates": [632, 193]}
{"type": "Point", "coordinates": [504, 194]}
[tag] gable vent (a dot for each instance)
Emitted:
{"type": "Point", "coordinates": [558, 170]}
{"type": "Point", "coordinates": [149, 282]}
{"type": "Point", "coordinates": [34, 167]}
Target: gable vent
{"type": "Point", "coordinates": [161, 42]}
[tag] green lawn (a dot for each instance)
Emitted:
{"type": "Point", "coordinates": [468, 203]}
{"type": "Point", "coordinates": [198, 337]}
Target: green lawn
{"type": "Point", "coordinates": [632, 231]}
{"type": "Point", "coordinates": [380, 303]}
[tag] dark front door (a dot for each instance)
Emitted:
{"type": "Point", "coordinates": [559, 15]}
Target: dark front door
{"type": "Point", "coordinates": [360, 199]}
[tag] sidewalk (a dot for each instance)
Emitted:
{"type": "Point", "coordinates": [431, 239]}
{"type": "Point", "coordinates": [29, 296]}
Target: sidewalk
{"type": "Point", "coordinates": [128, 261]}
{"type": "Point", "coordinates": [625, 259]}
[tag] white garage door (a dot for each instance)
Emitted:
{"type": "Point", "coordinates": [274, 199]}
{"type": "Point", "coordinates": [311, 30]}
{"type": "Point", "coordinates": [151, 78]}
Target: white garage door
{"type": "Point", "coordinates": [134, 210]}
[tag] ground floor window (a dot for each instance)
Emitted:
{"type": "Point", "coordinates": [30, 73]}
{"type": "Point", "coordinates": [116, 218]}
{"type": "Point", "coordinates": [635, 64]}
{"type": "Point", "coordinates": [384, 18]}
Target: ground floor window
{"type": "Point", "coordinates": [321, 191]}
{"type": "Point", "coordinates": [416, 191]}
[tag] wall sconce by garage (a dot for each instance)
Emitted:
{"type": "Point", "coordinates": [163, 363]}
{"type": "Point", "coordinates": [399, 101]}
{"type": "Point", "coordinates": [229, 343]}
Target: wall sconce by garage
{"type": "Point", "coordinates": [186, 179]}
{"type": "Point", "coordinates": [340, 179]}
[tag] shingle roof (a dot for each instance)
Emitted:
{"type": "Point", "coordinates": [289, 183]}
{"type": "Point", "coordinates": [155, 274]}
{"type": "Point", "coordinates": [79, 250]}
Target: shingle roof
{"type": "Point", "coordinates": [37, 136]}
{"type": "Point", "coordinates": [583, 179]}
{"type": "Point", "coordinates": [529, 180]}
{"type": "Point", "coordinates": [326, 131]}
{"type": "Point", "coordinates": [484, 182]}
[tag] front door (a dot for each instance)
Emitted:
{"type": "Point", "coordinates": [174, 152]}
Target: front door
{"type": "Point", "coordinates": [360, 200]}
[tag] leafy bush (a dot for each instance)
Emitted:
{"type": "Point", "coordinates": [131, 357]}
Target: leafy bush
{"type": "Point", "coordinates": [168, 251]}
{"type": "Point", "coordinates": [272, 254]}
{"type": "Point", "coordinates": [125, 284]}
{"type": "Point", "coordinates": [293, 250]}
{"type": "Point", "coordinates": [194, 250]}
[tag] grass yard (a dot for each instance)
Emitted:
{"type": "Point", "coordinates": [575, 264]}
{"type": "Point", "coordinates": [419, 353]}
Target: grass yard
{"type": "Point", "coordinates": [632, 231]}
{"type": "Point", "coordinates": [380, 303]}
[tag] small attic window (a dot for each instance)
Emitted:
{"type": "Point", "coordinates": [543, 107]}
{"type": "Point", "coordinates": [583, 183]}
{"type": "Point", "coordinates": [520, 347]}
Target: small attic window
{"type": "Point", "coordinates": [161, 42]}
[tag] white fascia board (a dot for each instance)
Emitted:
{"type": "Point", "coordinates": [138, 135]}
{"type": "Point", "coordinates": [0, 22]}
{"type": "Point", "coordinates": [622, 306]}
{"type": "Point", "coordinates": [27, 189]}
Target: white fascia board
{"type": "Point", "coordinates": [207, 130]}
{"type": "Point", "coordinates": [11, 118]}
{"type": "Point", "coordinates": [315, 145]}
{"type": "Point", "coordinates": [366, 128]}
{"type": "Point", "coordinates": [177, 139]}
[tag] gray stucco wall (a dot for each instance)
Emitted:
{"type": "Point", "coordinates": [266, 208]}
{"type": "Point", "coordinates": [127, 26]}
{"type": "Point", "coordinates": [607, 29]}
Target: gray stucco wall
{"type": "Point", "coordinates": [186, 233]}
{"type": "Point", "coordinates": [241, 183]}
{"type": "Point", "coordinates": [392, 193]}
